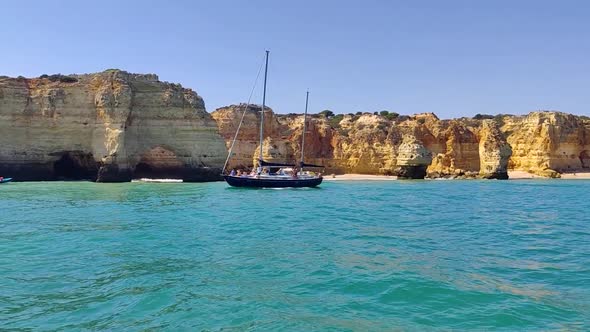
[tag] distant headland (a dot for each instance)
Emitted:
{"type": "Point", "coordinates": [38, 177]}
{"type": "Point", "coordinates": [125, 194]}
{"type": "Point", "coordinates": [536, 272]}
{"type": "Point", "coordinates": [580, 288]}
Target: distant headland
{"type": "Point", "coordinates": [114, 126]}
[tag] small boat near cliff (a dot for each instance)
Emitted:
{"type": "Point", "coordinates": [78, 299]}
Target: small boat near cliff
{"type": "Point", "coordinates": [5, 180]}
{"type": "Point", "coordinates": [158, 180]}
{"type": "Point", "coordinates": [274, 175]}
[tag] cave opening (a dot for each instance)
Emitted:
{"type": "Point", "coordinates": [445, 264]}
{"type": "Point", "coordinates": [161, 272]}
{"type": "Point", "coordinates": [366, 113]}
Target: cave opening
{"type": "Point", "coordinates": [585, 158]}
{"type": "Point", "coordinates": [72, 166]}
{"type": "Point", "coordinates": [143, 170]}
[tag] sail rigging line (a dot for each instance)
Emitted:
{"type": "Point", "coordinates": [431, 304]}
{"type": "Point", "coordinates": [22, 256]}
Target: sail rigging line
{"type": "Point", "coordinates": [242, 118]}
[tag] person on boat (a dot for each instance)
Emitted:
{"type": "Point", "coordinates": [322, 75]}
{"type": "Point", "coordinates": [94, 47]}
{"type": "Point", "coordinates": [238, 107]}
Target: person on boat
{"type": "Point", "coordinates": [294, 173]}
{"type": "Point", "coordinates": [1, 178]}
{"type": "Point", "coordinates": [233, 172]}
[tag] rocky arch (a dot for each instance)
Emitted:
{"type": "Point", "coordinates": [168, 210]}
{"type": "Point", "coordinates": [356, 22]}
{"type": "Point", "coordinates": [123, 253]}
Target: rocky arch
{"type": "Point", "coordinates": [585, 158]}
{"type": "Point", "coordinates": [75, 165]}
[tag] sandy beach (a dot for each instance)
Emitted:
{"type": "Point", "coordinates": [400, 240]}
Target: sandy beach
{"type": "Point", "coordinates": [519, 175]}
{"type": "Point", "coordinates": [583, 175]}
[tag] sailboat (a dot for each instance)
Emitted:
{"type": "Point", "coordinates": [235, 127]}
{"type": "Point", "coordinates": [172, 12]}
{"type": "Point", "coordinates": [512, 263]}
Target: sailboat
{"type": "Point", "coordinates": [276, 175]}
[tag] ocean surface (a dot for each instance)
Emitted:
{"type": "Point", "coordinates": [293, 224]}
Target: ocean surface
{"type": "Point", "coordinates": [349, 256]}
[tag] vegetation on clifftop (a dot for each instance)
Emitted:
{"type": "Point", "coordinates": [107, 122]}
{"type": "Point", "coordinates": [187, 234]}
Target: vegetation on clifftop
{"type": "Point", "coordinates": [59, 78]}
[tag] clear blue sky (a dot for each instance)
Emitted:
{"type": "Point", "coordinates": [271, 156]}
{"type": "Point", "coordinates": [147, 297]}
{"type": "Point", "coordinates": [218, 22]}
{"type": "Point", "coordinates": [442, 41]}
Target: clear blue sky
{"type": "Point", "coordinates": [454, 58]}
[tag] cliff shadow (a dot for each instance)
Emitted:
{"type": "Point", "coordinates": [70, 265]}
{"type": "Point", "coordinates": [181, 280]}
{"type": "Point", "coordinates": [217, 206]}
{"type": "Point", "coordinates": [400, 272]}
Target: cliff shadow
{"type": "Point", "coordinates": [585, 158]}
{"type": "Point", "coordinates": [75, 165]}
{"type": "Point", "coordinates": [163, 163]}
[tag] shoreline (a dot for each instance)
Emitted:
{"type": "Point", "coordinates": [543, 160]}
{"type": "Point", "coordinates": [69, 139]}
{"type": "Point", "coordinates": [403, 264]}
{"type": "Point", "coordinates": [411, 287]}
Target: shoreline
{"type": "Point", "coordinates": [512, 175]}
{"type": "Point", "coordinates": [523, 175]}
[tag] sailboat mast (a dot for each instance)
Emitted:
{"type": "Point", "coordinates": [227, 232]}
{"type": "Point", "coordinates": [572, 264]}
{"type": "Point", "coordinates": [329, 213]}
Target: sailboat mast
{"type": "Point", "coordinates": [304, 129]}
{"type": "Point", "coordinates": [262, 113]}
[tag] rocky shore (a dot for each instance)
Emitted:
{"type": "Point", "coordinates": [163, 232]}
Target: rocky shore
{"type": "Point", "coordinates": [114, 126]}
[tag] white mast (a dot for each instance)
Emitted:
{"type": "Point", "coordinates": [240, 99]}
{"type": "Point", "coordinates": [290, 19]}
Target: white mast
{"type": "Point", "coordinates": [262, 112]}
{"type": "Point", "coordinates": [304, 129]}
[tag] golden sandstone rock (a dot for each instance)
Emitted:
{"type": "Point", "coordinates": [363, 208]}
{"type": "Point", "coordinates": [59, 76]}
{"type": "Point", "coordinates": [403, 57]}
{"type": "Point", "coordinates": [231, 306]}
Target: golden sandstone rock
{"type": "Point", "coordinates": [494, 151]}
{"type": "Point", "coordinates": [548, 143]}
{"type": "Point", "coordinates": [109, 126]}
{"type": "Point", "coordinates": [544, 143]}
{"type": "Point", "coordinates": [113, 126]}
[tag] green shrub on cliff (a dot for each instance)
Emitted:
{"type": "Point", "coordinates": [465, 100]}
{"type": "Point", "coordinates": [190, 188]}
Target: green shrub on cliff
{"type": "Point", "coordinates": [482, 116]}
{"type": "Point", "coordinates": [334, 121]}
{"type": "Point", "coordinates": [389, 115]}
{"type": "Point", "coordinates": [60, 78]}
{"type": "Point", "coordinates": [327, 113]}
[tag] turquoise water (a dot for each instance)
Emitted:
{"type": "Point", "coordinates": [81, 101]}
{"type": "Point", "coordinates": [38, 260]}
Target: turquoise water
{"type": "Point", "coordinates": [350, 256]}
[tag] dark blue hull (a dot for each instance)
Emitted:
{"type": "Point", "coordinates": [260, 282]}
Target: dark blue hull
{"type": "Point", "coordinates": [236, 181]}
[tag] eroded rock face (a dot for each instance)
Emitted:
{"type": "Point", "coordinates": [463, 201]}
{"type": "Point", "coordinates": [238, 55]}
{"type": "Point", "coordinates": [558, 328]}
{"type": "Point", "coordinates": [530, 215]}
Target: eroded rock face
{"type": "Point", "coordinates": [114, 126]}
{"type": "Point", "coordinates": [548, 143]}
{"type": "Point", "coordinates": [494, 151]}
{"type": "Point", "coordinates": [282, 135]}
{"type": "Point", "coordinates": [368, 144]}
{"type": "Point", "coordinates": [412, 159]}
{"type": "Point", "coordinates": [103, 126]}
{"type": "Point", "coordinates": [418, 145]}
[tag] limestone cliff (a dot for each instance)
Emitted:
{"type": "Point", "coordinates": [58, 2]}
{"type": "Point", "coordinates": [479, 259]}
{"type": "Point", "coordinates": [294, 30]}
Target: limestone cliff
{"type": "Point", "coordinates": [109, 126]}
{"type": "Point", "coordinates": [494, 151]}
{"type": "Point", "coordinates": [548, 143]}
{"type": "Point", "coordinates": [114, 126]}
{"type": "Point", "coordinates": [416, 146]}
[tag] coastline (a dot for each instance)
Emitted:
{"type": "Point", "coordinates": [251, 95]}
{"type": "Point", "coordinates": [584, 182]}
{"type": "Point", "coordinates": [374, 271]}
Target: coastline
{"type": "Point", "coordinates": [513, 175]}
{"type": "Point", "coordinates": [523, 175]}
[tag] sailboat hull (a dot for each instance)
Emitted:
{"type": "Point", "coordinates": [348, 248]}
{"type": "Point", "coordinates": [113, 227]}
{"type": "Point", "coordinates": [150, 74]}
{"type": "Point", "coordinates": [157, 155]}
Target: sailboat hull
{"type": "Point", "coordinates": [236, 181]}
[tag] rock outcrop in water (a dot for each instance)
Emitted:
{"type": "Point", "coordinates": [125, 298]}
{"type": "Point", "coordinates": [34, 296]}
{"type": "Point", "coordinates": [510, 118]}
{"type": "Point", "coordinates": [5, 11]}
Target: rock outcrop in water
{"type": "Point", "coordinates": [418, 146]}
{"type": "Point", "coordinates": [110, 126]}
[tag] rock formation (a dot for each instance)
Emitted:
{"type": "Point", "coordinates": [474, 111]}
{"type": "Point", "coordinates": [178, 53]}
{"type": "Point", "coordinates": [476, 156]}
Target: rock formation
{"type": "Point", "coordinates": [548, 143]}
{"type": "Point", "coordinates": [416, 146]}
{"type": "Point", "coordinates": [412, 159]}
{"type": "Point", "coordinates": [110, 126]}
{"type": "Point", "coordinates": [114, 126]}
{"type": "Point", "coordinates": [494, 152]}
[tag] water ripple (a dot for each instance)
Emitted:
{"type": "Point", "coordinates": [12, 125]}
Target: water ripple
{"type": "Point", "coordinates": [402, 255]}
